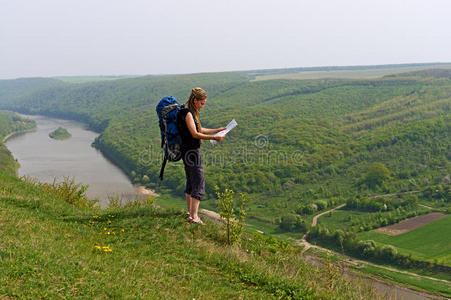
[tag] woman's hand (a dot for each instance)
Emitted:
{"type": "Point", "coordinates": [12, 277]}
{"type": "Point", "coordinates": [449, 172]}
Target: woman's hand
{"type": "Point", "coordinates": [220, 129]}
{"type": "Point", "coordinates": [219, 138]}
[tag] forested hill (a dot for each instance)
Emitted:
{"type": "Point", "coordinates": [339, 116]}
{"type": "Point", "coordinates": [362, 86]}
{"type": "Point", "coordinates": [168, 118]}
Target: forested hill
{"type": "Point", "coordinates": [11, 123]}
{"type": "Point", "coordinates": [98, 102]}
{"type": "Point", "coordinates": [298, 141]}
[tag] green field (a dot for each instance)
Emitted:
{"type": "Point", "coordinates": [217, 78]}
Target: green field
{"type": "Point", "coordinates": [346, 74]}
{"type": "Point", "coordinates": [430, 242]}
{"type": "Point", "coordinates": [340, 219]}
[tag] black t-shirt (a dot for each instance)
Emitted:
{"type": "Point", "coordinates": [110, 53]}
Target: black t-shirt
{"type": "Point", "coordinates": [188, 142]}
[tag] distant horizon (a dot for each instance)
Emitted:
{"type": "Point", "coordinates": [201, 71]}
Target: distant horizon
{"type": "Point", "coordinates": [50, 38]}
{"type": "Point", "coordinates": [300, 68]}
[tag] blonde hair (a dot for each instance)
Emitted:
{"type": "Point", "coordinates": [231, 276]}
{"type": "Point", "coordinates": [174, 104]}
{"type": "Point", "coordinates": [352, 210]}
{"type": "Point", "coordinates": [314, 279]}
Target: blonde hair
{"type": "Point", "coordinates": [199, 94]}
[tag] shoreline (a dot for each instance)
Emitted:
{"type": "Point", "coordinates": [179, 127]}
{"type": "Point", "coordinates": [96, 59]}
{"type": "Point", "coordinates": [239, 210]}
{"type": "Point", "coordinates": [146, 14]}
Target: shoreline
{"type": "Point", "coordinates": [142, 190]}
{"type": "Point", "coordinates": [12, 134]}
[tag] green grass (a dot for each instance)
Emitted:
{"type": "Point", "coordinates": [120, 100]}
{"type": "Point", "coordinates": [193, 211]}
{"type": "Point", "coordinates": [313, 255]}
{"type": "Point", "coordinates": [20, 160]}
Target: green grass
{"type": "Point", "coordinates": [340, 219]}
{"type": "Point", "coordinates": [430, 242]}
{"type": "Point", "coordinates": [169, 201]}
{"type": "Point", "coordinates": [50, 249]}
{"type": "Point", "coordinates": [8, 165]}
{"type": "Point", "coordinates": [417, 283]}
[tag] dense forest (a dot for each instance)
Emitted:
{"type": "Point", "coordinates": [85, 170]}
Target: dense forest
{"type": "Point", "coordinates": [298, 142]}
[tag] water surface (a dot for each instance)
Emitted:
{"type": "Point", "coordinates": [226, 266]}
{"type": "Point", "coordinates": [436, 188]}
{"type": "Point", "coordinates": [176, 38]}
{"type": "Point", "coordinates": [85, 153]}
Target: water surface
{"type": "Point", "coordinates": [44, 158]}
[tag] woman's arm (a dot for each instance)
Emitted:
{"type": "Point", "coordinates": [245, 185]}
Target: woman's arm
{"type": "Point", "coordinates": [198, 135]}
{"type": "Point", "coordinates": [211, 131]}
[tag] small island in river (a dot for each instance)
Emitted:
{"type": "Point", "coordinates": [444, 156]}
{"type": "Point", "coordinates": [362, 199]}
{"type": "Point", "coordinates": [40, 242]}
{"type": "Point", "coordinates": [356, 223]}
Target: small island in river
{"type": "Point", "coordinates": [60, 134]}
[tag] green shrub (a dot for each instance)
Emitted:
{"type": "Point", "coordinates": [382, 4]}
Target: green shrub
{"type": "Point", "coordinates": [67, 190]}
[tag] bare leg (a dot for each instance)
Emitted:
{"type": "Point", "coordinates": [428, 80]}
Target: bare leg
{"type": "Point", "coordinates": [194, 208]}
{"type": "Point", "coordinates": [188, 203]}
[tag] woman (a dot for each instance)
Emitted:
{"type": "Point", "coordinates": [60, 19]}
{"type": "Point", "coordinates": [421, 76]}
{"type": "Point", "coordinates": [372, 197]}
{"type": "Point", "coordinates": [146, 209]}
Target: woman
{"type": "Point", "coordinates": [192, 132]}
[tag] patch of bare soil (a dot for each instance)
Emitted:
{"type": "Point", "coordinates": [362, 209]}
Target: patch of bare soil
{"type": "Point", "coordinates": [141, 190]}
{"type": "Point", "coordinates": [410, 224]}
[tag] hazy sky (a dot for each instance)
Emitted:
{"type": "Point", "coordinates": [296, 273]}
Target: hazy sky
{"type": "Point", "coordinates": [110, 37]}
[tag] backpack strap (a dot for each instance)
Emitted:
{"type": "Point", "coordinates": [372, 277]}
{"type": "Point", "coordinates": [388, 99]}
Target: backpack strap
{"type": "Point", "coordinates": [164, 145]}
{"type": "Point", "coordinates": [162, 167]}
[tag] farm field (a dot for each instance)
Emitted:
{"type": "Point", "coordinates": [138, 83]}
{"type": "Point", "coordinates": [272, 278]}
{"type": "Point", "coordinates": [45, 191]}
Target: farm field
{"type": "Point", "coordinates": [410, 224]}
{"type": "Point", "coordinates": [345, 74]}
{"type": "Point", "coordinates": [340, 219]}
{"type": "Point", "coordinates": [430, 242]}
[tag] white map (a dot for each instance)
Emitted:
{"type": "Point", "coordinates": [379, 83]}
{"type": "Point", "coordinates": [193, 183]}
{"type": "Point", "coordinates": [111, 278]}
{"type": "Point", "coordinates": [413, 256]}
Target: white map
{"type": "Point", "coordinates": [229, 127]}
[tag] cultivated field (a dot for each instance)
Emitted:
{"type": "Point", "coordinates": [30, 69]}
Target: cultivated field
{"type": "Point", "coordinates": [410, 224]}
{"type": "Point", "coordinates": [345, 74]}
{"type": "Point", "coordinates": [430, 242]}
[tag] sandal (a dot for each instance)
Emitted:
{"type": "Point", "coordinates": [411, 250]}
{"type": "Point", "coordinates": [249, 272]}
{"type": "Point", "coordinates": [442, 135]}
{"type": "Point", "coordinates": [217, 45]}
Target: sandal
{"type": "Point", "coordinates": [187, 215]}
{"type": "Point", "coordinates": [197, 221]}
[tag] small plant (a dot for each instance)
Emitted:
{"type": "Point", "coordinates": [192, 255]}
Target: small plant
{"type": "Point", "coordinates": [142, 202]}
{"type": "Point", "coordinates": [234, 226]}
{"type": "Point", "coordinates": [68, 190]}
{"type": "Point", "coordinates": [114, 201]}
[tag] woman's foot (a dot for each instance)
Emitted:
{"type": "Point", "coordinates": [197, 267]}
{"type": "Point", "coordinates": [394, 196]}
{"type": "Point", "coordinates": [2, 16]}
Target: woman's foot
{"type": "Point", "coordinates": [197, 221]}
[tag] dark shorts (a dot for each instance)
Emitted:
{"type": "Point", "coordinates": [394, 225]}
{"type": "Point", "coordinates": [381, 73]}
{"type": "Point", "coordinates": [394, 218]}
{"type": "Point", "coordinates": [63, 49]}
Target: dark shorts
{"type": "Point", "coordinates": [195, 179]}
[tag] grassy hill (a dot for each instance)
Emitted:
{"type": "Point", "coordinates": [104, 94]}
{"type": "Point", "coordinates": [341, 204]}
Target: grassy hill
{"type": "Point", "coordinates": [52, 249]}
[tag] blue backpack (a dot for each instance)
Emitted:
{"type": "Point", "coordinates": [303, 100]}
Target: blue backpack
{"type": "Point", "coordinates": [171, 141]}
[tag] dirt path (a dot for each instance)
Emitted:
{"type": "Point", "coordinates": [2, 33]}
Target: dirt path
{"type": "Point", "coordinates": [303, 241]}
{"type": "Point", "coordinates": [394, 194]}
{"type": "Point", "coordinates": [426, 206]}
{"type": "Point", "coordinates": [315, 218]}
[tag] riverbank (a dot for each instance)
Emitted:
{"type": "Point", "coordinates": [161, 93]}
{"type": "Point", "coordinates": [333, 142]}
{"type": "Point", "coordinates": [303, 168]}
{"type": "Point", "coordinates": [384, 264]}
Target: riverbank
{"type": "Point", "coordinates": [48, 159]}
{"type": "Point", "coordinates": [12, 134]}
{"type": "Point", "coordinates": [142, 190]}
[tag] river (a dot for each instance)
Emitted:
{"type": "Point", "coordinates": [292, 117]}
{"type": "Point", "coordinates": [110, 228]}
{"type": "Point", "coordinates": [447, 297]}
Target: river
{"type": "Point", "coordinates": [44, 158]}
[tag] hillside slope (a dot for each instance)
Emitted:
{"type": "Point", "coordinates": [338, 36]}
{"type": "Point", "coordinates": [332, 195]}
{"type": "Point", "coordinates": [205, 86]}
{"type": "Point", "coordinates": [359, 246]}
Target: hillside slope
{"type": "Point", "coordinates": [298, 141]}
{"type": "Point", "coordinates": [52, 249]}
